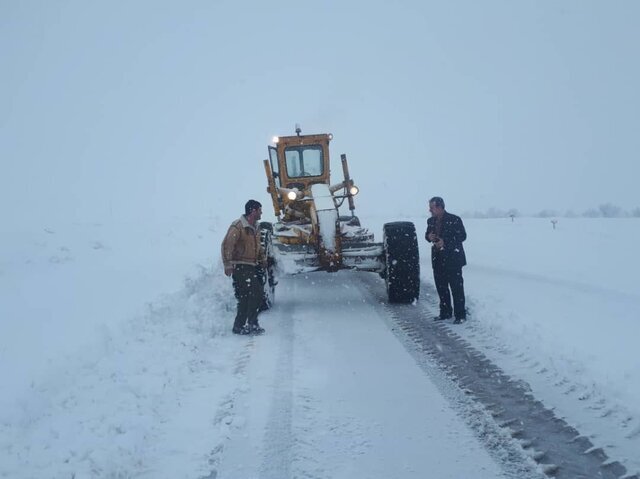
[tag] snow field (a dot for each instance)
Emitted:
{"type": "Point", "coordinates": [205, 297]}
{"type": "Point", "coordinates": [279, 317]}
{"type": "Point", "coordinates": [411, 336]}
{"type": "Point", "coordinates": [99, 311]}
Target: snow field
{"type": "Point", "coordinates": [114, 365]}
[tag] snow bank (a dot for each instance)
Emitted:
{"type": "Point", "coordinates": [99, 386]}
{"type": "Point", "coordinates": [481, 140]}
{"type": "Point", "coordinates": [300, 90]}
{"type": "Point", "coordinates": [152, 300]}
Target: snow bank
{"type": "Point", "coordinates": [115, 395]}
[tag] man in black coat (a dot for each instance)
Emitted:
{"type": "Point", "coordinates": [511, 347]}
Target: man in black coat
{"type": "Point", "coordinates": [446, 233]}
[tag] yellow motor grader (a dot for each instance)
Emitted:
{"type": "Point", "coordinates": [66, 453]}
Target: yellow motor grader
{"type": "Point", "coordinates": [311, 235]}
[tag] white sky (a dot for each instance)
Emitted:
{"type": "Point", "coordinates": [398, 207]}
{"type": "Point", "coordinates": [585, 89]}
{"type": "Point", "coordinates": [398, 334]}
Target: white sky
{"type": "Point", "coordinates": [146, 109]}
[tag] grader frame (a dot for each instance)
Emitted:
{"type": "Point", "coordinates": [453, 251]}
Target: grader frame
{"type": "Point", "coordinates": [310, 235]}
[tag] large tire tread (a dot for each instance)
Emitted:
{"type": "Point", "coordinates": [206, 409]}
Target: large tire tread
{"type": "Point", "coordinates": [268, 274]}
{"type": "Point", "coordinates": [402, 259]}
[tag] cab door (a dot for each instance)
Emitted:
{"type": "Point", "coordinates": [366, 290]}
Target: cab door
{"type": "Point", "coordinates": [275, 166]}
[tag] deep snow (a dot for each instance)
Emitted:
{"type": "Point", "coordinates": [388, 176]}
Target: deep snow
{"type": "Point", "coordinates": [116, 358]}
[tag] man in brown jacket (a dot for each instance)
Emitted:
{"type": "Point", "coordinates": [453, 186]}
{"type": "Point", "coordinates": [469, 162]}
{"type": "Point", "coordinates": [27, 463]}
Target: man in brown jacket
{"type": "Point", "coordinates": [241, 255]}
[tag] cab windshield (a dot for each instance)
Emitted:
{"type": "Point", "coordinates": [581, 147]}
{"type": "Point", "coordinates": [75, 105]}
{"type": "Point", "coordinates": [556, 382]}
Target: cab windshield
{"type": "Point", "coordinates": [304, 161]}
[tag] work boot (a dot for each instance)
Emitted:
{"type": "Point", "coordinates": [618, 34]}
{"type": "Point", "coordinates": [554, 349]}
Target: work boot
{"type": "Point", "coordinates": [255, 329]}
{"type": "Point", "coordinates": [441, 317]}
{"type": "Point", "coordinates": [243, 330]}
{"type": "Point", "coordinates": [459, 320]}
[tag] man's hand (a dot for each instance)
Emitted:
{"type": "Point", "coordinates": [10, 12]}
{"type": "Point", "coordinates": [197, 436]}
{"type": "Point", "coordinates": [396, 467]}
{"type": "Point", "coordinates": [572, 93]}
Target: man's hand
{"type": "Point", "coordinates": [431, 237]}
{"type": "Point", "coordinates": [228, 270]}
{"type": "Point", "coordinates": [439, 243]}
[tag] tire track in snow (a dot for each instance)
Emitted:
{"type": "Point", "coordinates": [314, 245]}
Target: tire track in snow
{"type": "Point", "coordinates": [226, 411]}
{"type": "Point", "coordinates": [583, 401]}
{"type": "Point", "coordinates": [259, 444]}
{"type": "Point", "coordinates": [558, 448]}
{"type": "Point", "coordinates": [278, 440]}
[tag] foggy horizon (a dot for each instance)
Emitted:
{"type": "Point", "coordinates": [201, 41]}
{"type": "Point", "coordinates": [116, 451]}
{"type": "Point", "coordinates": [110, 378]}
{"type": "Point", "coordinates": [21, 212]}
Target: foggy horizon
{"type": "Point", "coordinates": [125, 111]}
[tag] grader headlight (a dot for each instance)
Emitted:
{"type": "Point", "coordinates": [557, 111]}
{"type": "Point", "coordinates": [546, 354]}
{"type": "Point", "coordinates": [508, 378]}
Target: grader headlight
{"type": "Point", "coordinates": [354, 190]}
{"type": "Point", "coordinates": [292, 195]}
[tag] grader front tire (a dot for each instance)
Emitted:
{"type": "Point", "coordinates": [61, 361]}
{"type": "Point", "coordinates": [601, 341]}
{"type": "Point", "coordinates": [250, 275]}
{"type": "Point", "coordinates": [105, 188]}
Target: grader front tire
{"type": "Point", "coordinates": [267, 275]}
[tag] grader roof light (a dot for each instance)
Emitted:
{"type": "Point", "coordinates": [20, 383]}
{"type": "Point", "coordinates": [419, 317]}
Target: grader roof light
{"type": "Point", "coordinates": [354, 190]}
{"type": "Point", "coordinates": [275, 140]}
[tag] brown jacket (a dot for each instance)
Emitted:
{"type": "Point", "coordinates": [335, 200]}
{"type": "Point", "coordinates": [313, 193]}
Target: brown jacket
{"type": "Point", "coordinates": [242, 245]}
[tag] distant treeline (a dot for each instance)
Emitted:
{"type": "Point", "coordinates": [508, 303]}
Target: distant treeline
{"type": "Point", "coordinates": [605, 210]}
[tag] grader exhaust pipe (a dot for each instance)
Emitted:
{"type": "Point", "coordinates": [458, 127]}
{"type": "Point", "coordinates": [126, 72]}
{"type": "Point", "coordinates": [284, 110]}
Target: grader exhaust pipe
{"type": "Point", "coordinates": [348, 182]}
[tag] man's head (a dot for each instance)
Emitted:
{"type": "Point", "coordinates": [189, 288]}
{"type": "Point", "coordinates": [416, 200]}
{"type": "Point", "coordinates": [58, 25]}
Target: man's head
{"type": "Point", "coordinates": [253, 210]}
{"type": "Point", "coordinates": [436, 206]}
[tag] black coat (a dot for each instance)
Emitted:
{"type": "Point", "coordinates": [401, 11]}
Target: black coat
{"type": "Point", "coordinates": [453, 234]}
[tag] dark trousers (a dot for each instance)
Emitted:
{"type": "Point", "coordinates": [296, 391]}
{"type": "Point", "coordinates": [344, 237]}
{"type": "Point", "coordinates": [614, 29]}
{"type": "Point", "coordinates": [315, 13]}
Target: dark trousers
{"type": "Point", "coordinates": [248, 290]}
{"type": "Point", "coordinates": [450, 278]}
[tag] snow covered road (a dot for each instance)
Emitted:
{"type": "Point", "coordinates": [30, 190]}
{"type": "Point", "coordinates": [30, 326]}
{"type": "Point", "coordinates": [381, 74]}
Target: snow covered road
{"type": "Point", "coordinates": [332, 393]}
{"type": "Point", "coordinates": [154, 385]}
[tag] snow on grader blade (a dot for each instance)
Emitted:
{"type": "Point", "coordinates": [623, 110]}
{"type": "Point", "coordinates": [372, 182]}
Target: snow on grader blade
{"type": "Point", "coordinates": [311, 235]}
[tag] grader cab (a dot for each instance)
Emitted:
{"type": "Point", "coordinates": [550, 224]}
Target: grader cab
{"type": "Point", "coordinates": [311, 235]}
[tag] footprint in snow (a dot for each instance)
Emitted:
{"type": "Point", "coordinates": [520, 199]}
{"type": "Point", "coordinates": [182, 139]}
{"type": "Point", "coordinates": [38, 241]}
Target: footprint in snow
{"type": "Point", "coordinates": [64, 257]}
{"type": "Point", "coordinates": [98, 245]}
{"type": "Point", "coordinates": [59, 260]}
